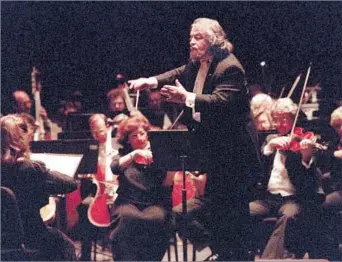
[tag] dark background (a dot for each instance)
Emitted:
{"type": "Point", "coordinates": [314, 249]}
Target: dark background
{"type": "Point", "coordinates": [82, 45]}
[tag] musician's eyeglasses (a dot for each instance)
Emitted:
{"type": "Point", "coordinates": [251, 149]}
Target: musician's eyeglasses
{"type": "Point", "coordinates": [135, 135]}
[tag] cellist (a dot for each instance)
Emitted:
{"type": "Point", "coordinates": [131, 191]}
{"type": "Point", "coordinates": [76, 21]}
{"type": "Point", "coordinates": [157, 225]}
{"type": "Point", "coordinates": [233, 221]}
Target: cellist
{"type": "Point", "coordinates": [93, 211]}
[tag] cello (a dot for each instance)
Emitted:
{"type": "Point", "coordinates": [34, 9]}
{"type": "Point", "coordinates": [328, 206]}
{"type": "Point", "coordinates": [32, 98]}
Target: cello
{"type": "Point", "coordinates": [47, 212]}
{"type": "Point", "coordinates": [98, 211]}
{"type": "Point", "coordinates": [36, 89]}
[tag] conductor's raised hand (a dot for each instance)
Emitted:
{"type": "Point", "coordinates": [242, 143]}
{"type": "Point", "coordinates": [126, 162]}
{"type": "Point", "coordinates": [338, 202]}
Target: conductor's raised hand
{"type": "Point", "coordinates": [143, 83]}
{"type": "Point", "coordinates": [176, 94]}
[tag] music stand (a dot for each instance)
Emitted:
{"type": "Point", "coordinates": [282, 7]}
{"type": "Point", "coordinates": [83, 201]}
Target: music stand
{"type": "Point", "coordinates": [88, 148]}
{"type": "Point", "coordinates": [61, 152]}
{"type": "Point", "coordinates": [175, 150]}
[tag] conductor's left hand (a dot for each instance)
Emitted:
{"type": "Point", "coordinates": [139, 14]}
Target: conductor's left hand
{"type": "Point", "coordinates": [176, 94]}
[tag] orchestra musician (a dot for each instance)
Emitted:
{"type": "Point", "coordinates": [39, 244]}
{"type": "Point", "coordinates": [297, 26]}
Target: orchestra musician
{"type": "Point", "coordinates": [261, 109]}
{"type": "Point", "coordinates": [140, 219]}
{"type": "Point", "coordinates": [116, 103]}
{"type": "Point", "coordinates": [31, 124]}
{"type": "Point", "coordinates": [333, 178]}
{"type": "Point", "coordinates": [294, 192]}
{"type": "Point", "coordinates": [212, 89]}
{"type": "Point", "coordinates": [101, 131]}
{"type": "Point", "coordinates": [33, 183]}
{"type": "Point", "coordinates": [22, 103]}
{"type": "Point", "coordinates": [155, 112]}
{"type": "Point", "coordinates": [334, 198]}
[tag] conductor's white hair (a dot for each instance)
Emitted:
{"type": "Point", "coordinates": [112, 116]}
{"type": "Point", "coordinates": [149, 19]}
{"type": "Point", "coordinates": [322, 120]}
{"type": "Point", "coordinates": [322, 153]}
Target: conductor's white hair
{"type": "Point", "coordinates": [214, 33]}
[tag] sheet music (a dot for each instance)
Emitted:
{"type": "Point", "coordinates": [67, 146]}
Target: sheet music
{"type": "Point", "coordinates": [64, 163]}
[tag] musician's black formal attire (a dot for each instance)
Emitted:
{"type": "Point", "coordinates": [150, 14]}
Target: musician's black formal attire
{"type": "Point", "coordinates": [140, 213]}
{"type": "Point", "coordinates": [33, 183]}
{"type": "Point", "coordinates": [332, 183]}
{"type": "Point", "coordinates": [228, 142]}
{"type": "Point", "coordinates": [88, 231]}
{"type": "Point", "coordinates": [294, 195]}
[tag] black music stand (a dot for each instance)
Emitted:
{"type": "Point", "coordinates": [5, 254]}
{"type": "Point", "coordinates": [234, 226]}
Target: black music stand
{"type": "Point", "coordinates": [174, 150]}
{"type": "Point", "coordinates": [87, 148]}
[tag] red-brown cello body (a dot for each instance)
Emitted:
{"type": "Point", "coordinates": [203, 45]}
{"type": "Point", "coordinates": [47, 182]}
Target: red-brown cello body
{"type": "Point", "coordinates": [98, 212]}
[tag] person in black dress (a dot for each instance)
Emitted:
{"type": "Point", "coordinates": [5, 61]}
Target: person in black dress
{"type": "Point", "coordinates": [142, 208]}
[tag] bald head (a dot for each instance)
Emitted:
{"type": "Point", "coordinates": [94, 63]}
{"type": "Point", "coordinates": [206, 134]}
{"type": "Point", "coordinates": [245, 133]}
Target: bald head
{"type": "Point", "coordinates": [23, 103]}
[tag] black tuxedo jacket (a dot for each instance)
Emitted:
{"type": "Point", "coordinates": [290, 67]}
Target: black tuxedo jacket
{"type": "Point", "coordinates": [227, 134]}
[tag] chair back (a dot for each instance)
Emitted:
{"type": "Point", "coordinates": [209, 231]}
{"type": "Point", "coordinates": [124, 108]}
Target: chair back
{"type": "Point", "coordinates": [12, 233]}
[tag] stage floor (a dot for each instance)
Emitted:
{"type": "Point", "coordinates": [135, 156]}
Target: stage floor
{"type": "Point", "coordinates": [105, 255]}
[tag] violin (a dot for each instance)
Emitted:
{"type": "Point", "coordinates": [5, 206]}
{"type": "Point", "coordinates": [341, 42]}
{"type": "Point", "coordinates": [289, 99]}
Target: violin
{"type": "Point", "coordinates": [298, 135]}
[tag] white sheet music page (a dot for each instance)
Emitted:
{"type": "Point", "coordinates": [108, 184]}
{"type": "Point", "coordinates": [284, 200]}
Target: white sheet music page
{"type": "Point", "coordinates": [64, 163]}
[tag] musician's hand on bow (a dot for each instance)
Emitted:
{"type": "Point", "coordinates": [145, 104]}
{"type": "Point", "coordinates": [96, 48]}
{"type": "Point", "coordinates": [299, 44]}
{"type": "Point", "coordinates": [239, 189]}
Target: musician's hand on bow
{"type": "Point", "coordinates": [176, 94]}
{"type": "Point", "coordinates": [142, 156]}
{"type": "Point", "coordinates": [143, 83]}
{"type": "Point", "coordinates": [306, 146]}
{"type": "Point", "coordinates": [282, 142]}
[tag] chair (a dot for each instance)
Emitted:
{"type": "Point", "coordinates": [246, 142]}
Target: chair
{"type": "Point", "coordinates": [12, 233]}
{"type": "Point", "coordinates": [173, 241]}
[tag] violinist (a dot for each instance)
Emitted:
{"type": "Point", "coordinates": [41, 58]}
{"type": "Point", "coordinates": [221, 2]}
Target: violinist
{"type": "Point", "coordinates": [293, 190]}
{"type": "Point", "coordinates": [140, 212]}
{"type": "Point", "coordinates": [261, 109]}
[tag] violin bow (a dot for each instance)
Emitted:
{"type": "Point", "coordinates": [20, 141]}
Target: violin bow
{"type": "Point", "coordinates": [281, 92]}
{"type": "Point", "coordinates": [177, 119]}
{"type": "Point", "coordinates": [301, 100]}
{"type": "Point", "coordinates": [295, 83]}
{"type": "Point", "coordinates": [128, 100]}
{"type": "Point", "coordinates": [137, 100]}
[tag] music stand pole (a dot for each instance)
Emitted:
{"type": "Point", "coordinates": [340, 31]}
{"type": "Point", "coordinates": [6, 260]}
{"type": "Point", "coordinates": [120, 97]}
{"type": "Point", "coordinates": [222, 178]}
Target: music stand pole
{"type": "Point", "coordinates": [171, 150]}
{"type": "Point", "coordinates": [184, 212]}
